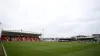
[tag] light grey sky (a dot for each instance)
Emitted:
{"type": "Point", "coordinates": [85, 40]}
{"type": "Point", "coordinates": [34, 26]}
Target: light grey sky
{"type": "Point", "coordinates": [58, 18]}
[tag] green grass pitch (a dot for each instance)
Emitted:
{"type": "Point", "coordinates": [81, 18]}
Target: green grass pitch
{"type": "Point", "coordinates": [51, 49]}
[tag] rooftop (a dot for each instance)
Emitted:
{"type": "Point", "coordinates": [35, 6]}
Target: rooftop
{"type": "Point", "coordinates": [19, 33]}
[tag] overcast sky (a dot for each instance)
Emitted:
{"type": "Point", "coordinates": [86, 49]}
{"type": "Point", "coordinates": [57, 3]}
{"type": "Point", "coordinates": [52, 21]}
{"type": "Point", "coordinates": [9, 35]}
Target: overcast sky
{"type": "Point", "coordinates": [58, 18]}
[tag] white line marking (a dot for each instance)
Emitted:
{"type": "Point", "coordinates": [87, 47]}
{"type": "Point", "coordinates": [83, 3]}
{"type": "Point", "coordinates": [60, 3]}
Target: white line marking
{"type": "Point", "coordinates": [4, 50]}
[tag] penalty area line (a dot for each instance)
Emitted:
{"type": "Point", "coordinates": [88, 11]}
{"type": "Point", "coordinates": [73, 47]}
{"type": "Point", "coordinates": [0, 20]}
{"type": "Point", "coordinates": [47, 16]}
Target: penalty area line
{"type": "Point", "coordinates": [4, 50]}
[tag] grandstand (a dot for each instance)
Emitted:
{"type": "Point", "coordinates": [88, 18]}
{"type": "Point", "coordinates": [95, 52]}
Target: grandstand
{"type": "Point", "coordinates": [19, 36]}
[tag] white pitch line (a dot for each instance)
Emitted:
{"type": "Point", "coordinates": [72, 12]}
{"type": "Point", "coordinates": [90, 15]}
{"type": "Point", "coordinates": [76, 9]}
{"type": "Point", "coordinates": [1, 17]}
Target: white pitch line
{"type": "Point", "coordinates": [4, 50]}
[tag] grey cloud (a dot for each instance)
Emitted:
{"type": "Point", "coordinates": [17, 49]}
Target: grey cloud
{"type": "Point", "coordinates": [58, 20]}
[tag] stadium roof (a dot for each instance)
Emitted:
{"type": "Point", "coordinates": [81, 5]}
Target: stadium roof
{"type": "Point", "coordinates": [95, 34]}
{"type": "Point", "coordinates": [12, 33]}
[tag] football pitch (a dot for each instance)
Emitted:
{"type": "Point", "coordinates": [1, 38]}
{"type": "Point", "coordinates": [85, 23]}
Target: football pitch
{"type": "Point", "coordinates": [51, 49]}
